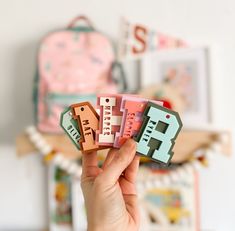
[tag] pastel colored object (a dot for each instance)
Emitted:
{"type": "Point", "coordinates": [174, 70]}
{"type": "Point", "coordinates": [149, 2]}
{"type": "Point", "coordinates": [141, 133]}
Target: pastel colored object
{"type": "Point", "coordinates": [110, 118]}
{"type": "Point", "coordinates": [132, 108]}
{"type": "Point", "coordinates": [70, 126]}
{"type": "Point", "coordinates": [158, 133]}
{"type": "Point", "coordinates": [71, 64]}
{"type": "Point", "coordinates": [88, 122]}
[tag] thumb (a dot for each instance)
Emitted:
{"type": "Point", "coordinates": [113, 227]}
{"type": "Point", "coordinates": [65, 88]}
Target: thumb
{"type": "Point", "coordinates": [119, 163]}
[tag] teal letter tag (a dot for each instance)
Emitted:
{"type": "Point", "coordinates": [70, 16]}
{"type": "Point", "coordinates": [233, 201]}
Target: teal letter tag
{"type": "Point", "coordinates": [158, 133]}
{"type": "Point", "coordinates": [70, 126]}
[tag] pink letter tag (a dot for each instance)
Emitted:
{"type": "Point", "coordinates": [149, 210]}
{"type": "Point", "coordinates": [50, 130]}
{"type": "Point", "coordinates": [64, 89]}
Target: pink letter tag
{"type": "Point", "coordinates": [110, 118]}
{"type": "Point", "coordinates": [132, 109]}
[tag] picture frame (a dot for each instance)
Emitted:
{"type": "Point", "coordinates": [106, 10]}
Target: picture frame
{"type": "Point", "coordinates": [172, 207]}
{"type": "Point", "coordinates": [78, 207]}
{"type": "Point", "coordinates": [184, 69]}
{"type": "Point", "coordinates": [59, 199]}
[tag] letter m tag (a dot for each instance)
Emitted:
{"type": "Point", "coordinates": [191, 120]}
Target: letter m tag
{"type": "Point", "coordinates": [158, 132]}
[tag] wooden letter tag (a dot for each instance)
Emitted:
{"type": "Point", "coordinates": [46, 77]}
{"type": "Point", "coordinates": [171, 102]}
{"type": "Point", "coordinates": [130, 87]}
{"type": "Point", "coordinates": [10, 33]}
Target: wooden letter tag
{"type": "Point", "coordinates": [88, 121]}
{"type": "Point", "coordinates": [110, 118]}
{"type": "Point", "coordinates": [158, 133]}
{"type": "Point", "coordinates": [70, 126]}
{"type": "Point", "coordinates": [133, 109]}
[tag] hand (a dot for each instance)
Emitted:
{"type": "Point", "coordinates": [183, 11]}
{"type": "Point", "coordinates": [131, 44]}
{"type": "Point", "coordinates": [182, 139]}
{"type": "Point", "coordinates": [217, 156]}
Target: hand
{"type": "Point", "coordinates": [109, 192]}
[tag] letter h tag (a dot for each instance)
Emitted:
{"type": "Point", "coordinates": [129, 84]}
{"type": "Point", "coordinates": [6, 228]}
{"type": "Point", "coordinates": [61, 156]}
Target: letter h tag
{"type": "Point", "coordinates": [110, 118]}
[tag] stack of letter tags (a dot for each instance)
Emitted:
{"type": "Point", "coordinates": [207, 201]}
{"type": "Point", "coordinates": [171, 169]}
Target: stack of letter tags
{"type": "Point", "coordinates": [120, 117]}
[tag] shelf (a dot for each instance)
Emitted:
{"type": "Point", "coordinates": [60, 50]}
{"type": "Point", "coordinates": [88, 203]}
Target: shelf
{"type": "Point", "coordinates": [187, 143]}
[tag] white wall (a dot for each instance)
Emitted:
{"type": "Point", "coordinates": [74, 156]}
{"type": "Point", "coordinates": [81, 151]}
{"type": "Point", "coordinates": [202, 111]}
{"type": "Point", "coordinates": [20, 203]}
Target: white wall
{"type": "Point", "coordinates": [23, 23]}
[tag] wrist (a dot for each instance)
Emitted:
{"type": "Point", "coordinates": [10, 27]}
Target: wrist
{"type": "Point", "coordinates": [99, 228]}
{"type": "Point", "coordinates": [95, 229]}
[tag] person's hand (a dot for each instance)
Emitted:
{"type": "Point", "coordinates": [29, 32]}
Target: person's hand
{"type": "Point", "coordinates": [109, 192]}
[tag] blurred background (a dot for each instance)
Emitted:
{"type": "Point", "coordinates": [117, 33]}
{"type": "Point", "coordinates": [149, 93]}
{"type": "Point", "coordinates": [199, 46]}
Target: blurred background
{"type": "Point", "coordinates": [181, 52]}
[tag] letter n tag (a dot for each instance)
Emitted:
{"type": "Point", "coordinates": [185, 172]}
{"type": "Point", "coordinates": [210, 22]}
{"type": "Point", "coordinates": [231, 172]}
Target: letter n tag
{"type": "Point", "coordinates": [110, 118]}
{"type": "Point", "coordinates": [88, 121]}
{"type": "Point", "coordinates": [158, 133]}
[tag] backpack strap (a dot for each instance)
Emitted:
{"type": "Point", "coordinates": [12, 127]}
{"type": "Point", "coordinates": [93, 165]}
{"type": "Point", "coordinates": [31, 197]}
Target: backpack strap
{"type": "Point", "coordinates": [83, 18]}
{"type": "Point", "coordinates": [119, 76]}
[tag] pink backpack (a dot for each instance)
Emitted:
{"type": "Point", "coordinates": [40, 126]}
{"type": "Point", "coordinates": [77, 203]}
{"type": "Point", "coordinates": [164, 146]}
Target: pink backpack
{"type": "Point", "coordinates": [74, 65]}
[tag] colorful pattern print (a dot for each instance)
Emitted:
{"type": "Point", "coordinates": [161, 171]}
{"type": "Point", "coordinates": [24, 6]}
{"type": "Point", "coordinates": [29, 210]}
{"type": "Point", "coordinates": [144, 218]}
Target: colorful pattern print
{"type": "Point", "coordinates": [73, 66]}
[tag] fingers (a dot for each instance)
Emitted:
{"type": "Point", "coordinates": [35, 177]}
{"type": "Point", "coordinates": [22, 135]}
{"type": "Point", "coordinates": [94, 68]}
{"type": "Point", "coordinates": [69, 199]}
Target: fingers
{"type": "Point", "coordinates": [132, 207]}
{"type": "Point", "coordinates": [89, 164]}
{"type": "Point", "coordinates": [132, 169]}
{"type": "Point", "coordinates": [127, 181]}
{"type": "Point", "coordinates": [119, 163]}
{"type": "Point", "coordinates": [89, 159]}
{"type": "Point", "coordinates": [109, 157]}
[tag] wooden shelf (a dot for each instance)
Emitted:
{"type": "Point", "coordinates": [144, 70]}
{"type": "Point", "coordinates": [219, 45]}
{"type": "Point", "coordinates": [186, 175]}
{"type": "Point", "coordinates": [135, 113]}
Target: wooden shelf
{"type": "Point", "coordinates": [60, 143]}
{"type": "Point", "coordinates": [187, 143]}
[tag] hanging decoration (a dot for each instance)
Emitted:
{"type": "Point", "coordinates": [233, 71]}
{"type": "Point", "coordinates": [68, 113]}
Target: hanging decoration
{"type": "Point", "coordinates": [136, 40]}
{"type": "Point", "coordinates": [50, 154]}
{"type": "Point", "coordinates": [198, 159]}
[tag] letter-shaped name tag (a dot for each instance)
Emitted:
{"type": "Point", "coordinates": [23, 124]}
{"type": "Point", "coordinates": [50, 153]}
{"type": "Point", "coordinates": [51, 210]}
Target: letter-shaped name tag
{"type": "Point", "coordinates": [70, 126]}
{"type": "Point", "coordinates": [110, 118]}
{"type": "Point", "coordinates": [158, 133]}
{"type": "Point", "coordinates": [88, 121]}
{"type": "Point", "coordinates": [133, 109]}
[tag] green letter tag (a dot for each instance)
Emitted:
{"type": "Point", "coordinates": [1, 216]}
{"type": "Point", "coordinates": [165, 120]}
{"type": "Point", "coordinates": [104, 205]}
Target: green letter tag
{"type": "Point", "coordinates": [158, 133]}
{"type": "Point", "coordinates": [70, 127]}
